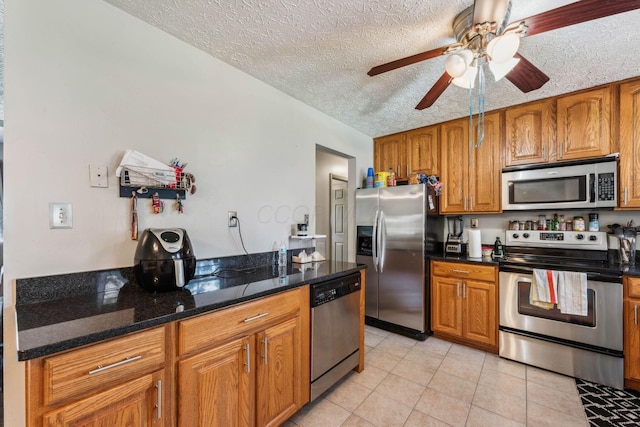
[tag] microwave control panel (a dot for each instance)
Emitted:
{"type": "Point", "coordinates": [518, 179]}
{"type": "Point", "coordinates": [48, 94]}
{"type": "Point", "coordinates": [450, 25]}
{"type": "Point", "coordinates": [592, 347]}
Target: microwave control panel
{"type": "Point", "coordinates": [606, 187]}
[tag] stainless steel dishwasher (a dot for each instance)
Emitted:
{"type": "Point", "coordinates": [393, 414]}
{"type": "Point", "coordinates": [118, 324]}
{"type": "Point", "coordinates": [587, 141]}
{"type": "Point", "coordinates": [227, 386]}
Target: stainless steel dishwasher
{"type": "Point", "coordinates": [335, 331]}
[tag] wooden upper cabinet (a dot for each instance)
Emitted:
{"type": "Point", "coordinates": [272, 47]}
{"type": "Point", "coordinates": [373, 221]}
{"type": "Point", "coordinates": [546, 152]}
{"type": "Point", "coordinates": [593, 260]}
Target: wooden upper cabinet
{"type": "Point", "coordinates": [390, 152]}
{"type": "Point", "coordinates": [485, 174]}
{"type": "Point", "coordinates": [471, 176]}
{"type": "Point", "coordinates": [584, 124]}
{"type": "Point", "coordinates": [629, 196]}
{"type": "Point", "coordinates": [530, 133]}
{"type": "Point", "coordinates": [454, 168]}
{"type": "Point", "coordinates": [424, 150]}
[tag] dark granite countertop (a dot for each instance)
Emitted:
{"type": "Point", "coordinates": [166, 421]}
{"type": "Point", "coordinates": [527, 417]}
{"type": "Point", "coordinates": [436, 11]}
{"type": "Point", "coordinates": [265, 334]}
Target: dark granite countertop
{"type": "Point", "coordinates": [108, 304]}
{"type": "Point", "coordinates": [462, 258]}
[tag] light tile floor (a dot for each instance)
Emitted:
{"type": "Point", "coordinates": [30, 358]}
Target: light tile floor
{"type": "Point", "coordinates": [437, 384]}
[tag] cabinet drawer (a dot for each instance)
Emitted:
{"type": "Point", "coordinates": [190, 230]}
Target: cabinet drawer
{"type": "Point", "coordinates": [201, 331]}
{"type": "Point", "coordinates": [90, 369]}
{"type": "Point", "coordinates": [463, 270]}
{"type": "Point", "coordinates": [633, 287]}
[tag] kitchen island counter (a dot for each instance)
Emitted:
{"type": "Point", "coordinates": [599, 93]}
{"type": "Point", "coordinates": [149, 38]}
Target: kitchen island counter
{"type": "Point", "coordinates": [84, 308]}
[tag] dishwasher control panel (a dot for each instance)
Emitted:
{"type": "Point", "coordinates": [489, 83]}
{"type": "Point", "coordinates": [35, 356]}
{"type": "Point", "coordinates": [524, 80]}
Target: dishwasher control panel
{"type": "Point", "coordinates": [325, 292]}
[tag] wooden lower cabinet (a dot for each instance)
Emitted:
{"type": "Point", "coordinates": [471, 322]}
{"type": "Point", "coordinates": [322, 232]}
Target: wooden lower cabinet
{"type": "Point", "coordinates": [255, 374]}
{"type": "Point", "coordinates": [134, 403]}
{"type": "Point", "coordinates": [632, 332]}
{"type": "Point", "coordinates": [464, 306]}
{"type": "Point", "coordinates": [118, 382]}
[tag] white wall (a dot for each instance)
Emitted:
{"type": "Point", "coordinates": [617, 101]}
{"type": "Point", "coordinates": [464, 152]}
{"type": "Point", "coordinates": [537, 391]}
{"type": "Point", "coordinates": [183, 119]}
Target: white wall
{"type": "Point", "coordinates": [84, 82]}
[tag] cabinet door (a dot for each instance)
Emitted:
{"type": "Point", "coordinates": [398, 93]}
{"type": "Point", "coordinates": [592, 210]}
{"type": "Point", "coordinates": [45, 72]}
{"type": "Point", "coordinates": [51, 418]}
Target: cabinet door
{"type": "Point", "coordinates": [278, 373]}
{"type": "Point", "coordinates": [215, 387]}
{"type": "Point", "coordinates": [446, 305]}
{"type": "Point", "coordinates": [479, 317]}
{"type": "Point", "coordinates": [424, 150]}
{"type": "Point", "coordinates": [584, 124]}
{"type": "Point", "coordinates": [454, 166]}
{"type": "Point", "coordinates": [530, 130]}
{"type": "Point", "coordinates": [632, 339]}
{"type": "Point", "coordinates": [630, 145]}
{"type": "Point", "coordinates": [134, 403]}
{"type": "Point", "coordinates": [390, 153]}
{"type": "Point", "coordinates": [485, 174]}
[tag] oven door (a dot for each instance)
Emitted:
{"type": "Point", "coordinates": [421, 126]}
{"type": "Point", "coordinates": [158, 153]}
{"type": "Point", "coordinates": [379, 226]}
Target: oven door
{"type": "Point", "coordinates": [602, 327]}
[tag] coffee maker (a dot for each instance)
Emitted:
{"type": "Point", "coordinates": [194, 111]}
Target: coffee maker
{"type": "Point", "coordinates": [454, 244]}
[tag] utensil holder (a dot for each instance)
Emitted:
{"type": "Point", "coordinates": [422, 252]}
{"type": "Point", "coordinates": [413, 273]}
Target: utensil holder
{"type": "Point", "coordinates": [627, 247]}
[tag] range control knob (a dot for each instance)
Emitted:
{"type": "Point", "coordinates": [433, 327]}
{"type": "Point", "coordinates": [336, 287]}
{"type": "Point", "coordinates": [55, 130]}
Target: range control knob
{"type": "Point", "coordinates": [525, 235]}
{"type": "Point", "coordinates": [580, 236]}
{"type": "Point", "coordinates": [593, 238]}
{"type": "Point", "coordinates": [515, 235]}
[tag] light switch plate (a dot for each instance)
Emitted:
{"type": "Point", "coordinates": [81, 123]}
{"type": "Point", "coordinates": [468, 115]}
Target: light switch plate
{"type": "Point", "coordinates": [98, 176]}
{"type": "Point", "coordinates": [60, 215]}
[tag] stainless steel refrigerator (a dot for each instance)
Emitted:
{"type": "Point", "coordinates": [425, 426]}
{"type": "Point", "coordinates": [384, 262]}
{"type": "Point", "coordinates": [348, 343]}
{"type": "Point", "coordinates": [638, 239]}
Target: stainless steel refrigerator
{"type": "Point", "coordinates": [396, 227]}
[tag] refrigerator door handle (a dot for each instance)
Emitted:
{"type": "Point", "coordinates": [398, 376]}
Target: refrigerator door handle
{"type": "Point", "coordinates": [383, 240]}
{"type": "Point", "coordinates": [374, 241]}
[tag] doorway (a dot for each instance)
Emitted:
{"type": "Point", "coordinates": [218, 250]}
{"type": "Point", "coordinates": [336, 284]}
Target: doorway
{"type": "Point", "coordinates": [331, 164]}
{"type": "Point", "coordinates": [339, 221]}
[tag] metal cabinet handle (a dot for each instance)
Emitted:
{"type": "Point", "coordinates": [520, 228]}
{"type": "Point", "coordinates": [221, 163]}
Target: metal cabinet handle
{"type": "Point", "coordinates": [471, 203]}
{"type": "Point", "coordinates": [266, 350]}
{"type": "Point", "coordinates": [407, 176]}
{"type": "Point", "coordinates": [398, 170]}
{"type": "Point", "coordinates": [458, 289]}
{"type": "Point", "coordinates": [635, 314]}
{"type": "Point", "coordinates": [159, 399]}
{"type": "Point", "coordinates": [259, 316]}
{"type": "Point", "coordinates": [465, 204]}
{"type": "Point", "coordinates": [544, 152]}
{"type": "Point", "coordinates": [560, 148]}
{"type": "Point", "coordinates": [101, 368]}
{"type": "Point", "coordinates": [461, 271]}
{"type": "Point", "coordinates": [626, 193]}
{"type": "Point", "coordinates": [464, 290]}
{"type": "Point", "coordinates": [247, 363]}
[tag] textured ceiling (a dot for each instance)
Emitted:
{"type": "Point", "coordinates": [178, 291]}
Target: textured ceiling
{"type": "Point", "coordinates": [319, 51]}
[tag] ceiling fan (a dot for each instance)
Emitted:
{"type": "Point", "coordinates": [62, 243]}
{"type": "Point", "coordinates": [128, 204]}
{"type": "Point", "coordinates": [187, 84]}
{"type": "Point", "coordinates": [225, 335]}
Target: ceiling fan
{"type": "Point", "coordinates": [484, 36]}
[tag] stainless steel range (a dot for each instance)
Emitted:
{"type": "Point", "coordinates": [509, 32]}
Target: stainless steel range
{"type": "Point", "coordinates": [584, 346]}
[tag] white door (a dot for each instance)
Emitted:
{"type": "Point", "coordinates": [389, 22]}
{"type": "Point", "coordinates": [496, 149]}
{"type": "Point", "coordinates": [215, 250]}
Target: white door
{"type": "Point", "coordinates": [339, 219]}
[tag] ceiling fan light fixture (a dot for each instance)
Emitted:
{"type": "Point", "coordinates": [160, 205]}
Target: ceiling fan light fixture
{"type": "Point", "coordinates": [502, 48]}
{"type": "Point", "coordinates": [457, 63]}
{"type": "Point", "coordinates": [499, 70]}
{"type": "Point", "coordinates": [467, 80]}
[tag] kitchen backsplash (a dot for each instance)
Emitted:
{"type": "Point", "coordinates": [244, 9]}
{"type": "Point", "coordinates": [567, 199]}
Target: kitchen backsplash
{"type": "Point", "coordinates": [496, 225]}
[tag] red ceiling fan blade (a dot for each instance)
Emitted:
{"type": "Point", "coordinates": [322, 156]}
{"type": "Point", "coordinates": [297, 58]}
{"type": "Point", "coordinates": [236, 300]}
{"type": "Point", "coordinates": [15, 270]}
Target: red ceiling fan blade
{"type": "Point", "coordinates": [435, 92]}
{"type": "Point", "coordinates": [526, 76]}
{"type": "Point", "coordinates": [399, 63]}
{"type": "Point", "coordinates": [489, 11]}
{"type": "Point", "coordinates": [575, 13]}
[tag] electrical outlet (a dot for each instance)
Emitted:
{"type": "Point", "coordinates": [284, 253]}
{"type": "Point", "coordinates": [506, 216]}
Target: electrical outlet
{"type": "Point", "coordinates": [233, 219]}
{"type": "Point", "coordinates": [98, 176]}
{"type": "Point", "coordinates": [60, 215]}
{"type": "Point", "coordinates": [474, 222]}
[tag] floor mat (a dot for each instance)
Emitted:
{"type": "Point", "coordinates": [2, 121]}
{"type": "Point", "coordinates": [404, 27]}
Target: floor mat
{"type": "Point", "coordinates": [607, 406]}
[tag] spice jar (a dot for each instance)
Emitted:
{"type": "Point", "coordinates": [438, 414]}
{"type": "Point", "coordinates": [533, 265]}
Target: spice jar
{"type": "Point", "coordinates": [578, 223]}
{"type": "Point", "coordinates": [594, 224]}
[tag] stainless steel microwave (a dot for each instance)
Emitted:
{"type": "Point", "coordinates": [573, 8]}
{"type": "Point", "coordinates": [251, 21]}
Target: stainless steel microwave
{"type": "Point", "coordinates": [582, 184]}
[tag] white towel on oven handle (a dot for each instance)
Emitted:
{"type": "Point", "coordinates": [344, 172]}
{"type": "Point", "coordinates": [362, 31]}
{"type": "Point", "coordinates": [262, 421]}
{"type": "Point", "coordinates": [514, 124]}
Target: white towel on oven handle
{"type": "Point", "coordinates": [544, 291]}
{"type": "Point", "coordinates": [572, 293]}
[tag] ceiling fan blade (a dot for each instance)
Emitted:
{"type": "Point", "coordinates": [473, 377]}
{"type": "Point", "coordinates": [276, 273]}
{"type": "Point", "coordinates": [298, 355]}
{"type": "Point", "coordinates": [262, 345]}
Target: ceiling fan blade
{"type": "Point", "coordinates": [576, 13]}
{"type": "Point", "coordinates": [435, 92]}
{"type": "Point", "coordinates": [526, 76]}
{"type": "Point", "coordinates": [489, 11]}
{"type": "Point", "coordinates": [399, 63]}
